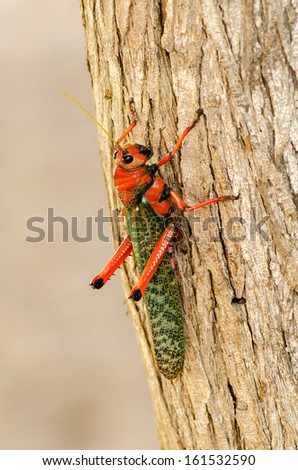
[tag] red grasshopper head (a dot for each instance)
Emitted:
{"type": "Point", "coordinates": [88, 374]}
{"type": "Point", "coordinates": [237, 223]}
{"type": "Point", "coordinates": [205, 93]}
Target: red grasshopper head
{"type": "Point", "coordinates": [132, 156]}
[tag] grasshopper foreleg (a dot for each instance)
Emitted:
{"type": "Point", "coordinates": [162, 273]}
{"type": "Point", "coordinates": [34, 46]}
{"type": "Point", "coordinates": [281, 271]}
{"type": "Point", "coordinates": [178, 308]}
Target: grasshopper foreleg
{"type": "Point", "coordinates": [167, 158]}
{"type": "Point", "coordinates": [133, 122]}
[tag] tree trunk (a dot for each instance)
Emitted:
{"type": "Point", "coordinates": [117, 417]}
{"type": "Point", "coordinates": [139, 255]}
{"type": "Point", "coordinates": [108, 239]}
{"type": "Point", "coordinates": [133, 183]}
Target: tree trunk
{"type": "Point", "coordinates": [235, 60]}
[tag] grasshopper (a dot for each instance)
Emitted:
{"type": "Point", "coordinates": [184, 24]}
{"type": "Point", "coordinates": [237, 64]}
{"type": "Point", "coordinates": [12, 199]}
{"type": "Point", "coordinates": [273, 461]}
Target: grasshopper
{"type": "Point", "coordinates": [152, 230]}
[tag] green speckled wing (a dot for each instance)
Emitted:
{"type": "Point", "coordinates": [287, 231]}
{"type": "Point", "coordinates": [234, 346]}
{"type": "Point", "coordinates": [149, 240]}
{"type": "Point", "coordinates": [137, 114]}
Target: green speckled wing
{"type": "Point", "coordinates": [162, 296]}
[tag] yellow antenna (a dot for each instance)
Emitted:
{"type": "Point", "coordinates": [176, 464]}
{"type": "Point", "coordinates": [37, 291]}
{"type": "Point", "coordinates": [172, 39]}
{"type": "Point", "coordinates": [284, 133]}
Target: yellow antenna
{"type": "Point", "coordinates": [92, 117]}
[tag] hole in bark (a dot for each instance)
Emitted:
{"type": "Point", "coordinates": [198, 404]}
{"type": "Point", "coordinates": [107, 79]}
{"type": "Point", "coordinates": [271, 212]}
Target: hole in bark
{"type": "Point", "coordinates": [238, 301]}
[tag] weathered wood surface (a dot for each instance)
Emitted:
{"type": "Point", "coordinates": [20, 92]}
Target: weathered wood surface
{"type": "Point", "coordinates": [236, 61]}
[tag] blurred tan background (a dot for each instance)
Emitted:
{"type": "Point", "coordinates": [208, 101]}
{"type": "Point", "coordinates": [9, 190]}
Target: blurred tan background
{"type": "Point", "coordinates": [70, 371]}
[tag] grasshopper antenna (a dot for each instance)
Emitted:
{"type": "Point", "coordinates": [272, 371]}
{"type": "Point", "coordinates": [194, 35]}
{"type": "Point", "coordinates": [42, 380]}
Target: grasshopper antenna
{"type": "Point", "coordinates": [92, 117]}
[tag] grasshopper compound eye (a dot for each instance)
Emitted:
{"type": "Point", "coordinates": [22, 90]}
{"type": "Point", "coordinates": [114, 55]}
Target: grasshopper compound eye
{"type": "Point", "coordinates": [127, 158]}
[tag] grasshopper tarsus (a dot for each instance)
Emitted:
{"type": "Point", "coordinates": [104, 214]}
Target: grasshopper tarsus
{"type": "Point", "coordinates": [132, 109]}
{"type": "Point", "coordinates": [136, 295]}
{"type": "Point", "coordinates": [97, 284]}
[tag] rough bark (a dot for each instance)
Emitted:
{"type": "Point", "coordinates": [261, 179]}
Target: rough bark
{"type": "Point", "coordinates": [236, 61]}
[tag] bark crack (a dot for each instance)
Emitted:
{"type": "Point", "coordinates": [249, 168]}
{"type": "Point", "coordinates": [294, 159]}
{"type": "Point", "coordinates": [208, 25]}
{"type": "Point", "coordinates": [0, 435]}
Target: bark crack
{"type": "Point", "coordinates": [237, 432]}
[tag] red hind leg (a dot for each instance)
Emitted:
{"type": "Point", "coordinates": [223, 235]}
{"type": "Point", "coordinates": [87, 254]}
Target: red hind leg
{"type": "Point", "coordinates": [117, 259]}
{"type": "Point", "coordinates": [153, 262]}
